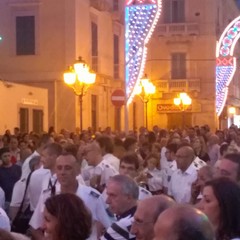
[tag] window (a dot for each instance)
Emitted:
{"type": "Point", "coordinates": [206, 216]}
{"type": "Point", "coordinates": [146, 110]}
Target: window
{"type": "Point", "coordinates": [94, 112]}
{"type": "Point", "coordinates": [174, 11]}
{"type": "Point", "coordinates": [25, 35]}
{"type": "Point", "coordinates": [24, 120]}
{"type": "Point", "coordinates": [116, 56]}
{"type": "Point", "coordinates": [178, 68]}
{"type": "Point", "coordinates": [94, 28]}
{"type": "Point", "coordinates": [37, 120]}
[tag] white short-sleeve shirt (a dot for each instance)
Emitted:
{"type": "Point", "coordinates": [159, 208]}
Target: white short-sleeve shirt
{"type": "Point", "coordinates": [92, 199]}
{"type": "Point", "coordinates": [181, 182]}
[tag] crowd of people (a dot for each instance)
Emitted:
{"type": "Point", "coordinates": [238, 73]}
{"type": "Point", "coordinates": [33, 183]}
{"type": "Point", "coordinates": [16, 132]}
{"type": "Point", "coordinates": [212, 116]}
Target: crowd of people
{"type": "Point", "coordinates": [159, 184]}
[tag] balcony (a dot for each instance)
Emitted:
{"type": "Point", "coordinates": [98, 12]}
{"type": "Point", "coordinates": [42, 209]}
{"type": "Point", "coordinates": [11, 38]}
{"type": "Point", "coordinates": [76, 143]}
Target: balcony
{"type": "Point", "coordinates": [183, 85]}
{"type": "Point", "coordinates": [101, 5]}
{"type": "Point", "coordinates": [177, 29]}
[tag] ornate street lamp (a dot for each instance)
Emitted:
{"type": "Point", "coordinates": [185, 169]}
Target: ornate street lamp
{"type": "Point", "coordinates": [79, 78]}
{"type": "Point", "coordinates": [144, 90]}
{"type": "Point", "coordinates": [183, 102]}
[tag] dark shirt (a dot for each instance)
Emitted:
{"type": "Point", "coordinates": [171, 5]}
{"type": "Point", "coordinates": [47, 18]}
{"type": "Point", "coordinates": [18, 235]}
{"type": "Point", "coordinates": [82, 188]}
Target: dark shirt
{"type": "Point", "coordinates": [8, 177]}
{"type": "Point", "coordinates": [204, 156]}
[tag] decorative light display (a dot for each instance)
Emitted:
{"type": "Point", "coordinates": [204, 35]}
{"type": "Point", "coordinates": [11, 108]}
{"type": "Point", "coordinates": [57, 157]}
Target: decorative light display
{"type": "Point", "coordinates": [141, 17]}
{"type": "Point", "coordinates": [225, 62]}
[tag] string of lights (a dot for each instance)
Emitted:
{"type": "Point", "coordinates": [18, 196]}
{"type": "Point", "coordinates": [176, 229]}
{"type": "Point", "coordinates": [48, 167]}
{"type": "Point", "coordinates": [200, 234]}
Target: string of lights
{"type": "Point", "coordinates": [226, 63]}
{"type": "Point", "coordinates": [141, 17]}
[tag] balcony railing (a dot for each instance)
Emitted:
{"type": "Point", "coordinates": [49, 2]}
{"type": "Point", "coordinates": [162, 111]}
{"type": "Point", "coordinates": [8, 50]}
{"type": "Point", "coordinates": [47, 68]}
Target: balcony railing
{"type": "Point", "coordinates": [185, 85]}
{"type": "Point", "coordinates": [171, 29]}
{"type": "Point", "coordinates": [101, 5]}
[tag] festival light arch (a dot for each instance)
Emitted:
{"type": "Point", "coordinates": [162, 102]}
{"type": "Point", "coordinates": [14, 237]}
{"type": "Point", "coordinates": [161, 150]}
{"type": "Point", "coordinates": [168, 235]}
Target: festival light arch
{"type": "Point", "coordinates": [226, 63]}
{"type": "Point", "coordinates": [141, 17]}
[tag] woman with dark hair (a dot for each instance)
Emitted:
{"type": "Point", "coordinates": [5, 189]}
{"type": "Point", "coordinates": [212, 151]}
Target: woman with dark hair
{"type": "Point", "coordinates": [66, 218]}
{"type": "Point", "coordinates": [221, 203]}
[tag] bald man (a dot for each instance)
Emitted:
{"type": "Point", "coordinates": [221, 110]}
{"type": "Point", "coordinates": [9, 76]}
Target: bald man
{"type": "Point", "coordinates": [183, 222]}
{"type": "Point", "coordinates": [182, 179]}
{"type": "Point", "coordinates": [146, 215]}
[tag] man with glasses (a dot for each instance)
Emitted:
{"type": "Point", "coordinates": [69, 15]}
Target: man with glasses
{"type": "Point", "coordinates": [145, 216]}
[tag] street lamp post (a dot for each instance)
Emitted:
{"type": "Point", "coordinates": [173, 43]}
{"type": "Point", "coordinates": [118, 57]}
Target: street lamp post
{"type": "Point", "coordinates": [144, 90]}
{"type": "Point", "coordinates": [183, 102]}
{"type": "Point", "coordinates": [79, 78]}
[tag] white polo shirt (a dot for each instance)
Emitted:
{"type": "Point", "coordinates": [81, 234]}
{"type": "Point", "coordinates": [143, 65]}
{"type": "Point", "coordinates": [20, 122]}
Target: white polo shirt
{"type": "Point", "coordinates": [181, 182]}
{"type": "Point", "coordinates": [102, 169]}
{"type": "Point", "coordinates": [92, 199]}
{"type": "Point", "coordinates": [109, 158]}
{"type": "Point", "coordinates": [35, 187]}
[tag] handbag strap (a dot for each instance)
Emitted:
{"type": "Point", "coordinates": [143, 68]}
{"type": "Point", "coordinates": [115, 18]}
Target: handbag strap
{"type": "Point", "coordinates": [25, 192]}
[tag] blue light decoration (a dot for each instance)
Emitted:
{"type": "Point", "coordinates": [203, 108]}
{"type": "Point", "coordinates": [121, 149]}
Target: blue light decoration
{"type": "Point", "coordinates": [226, 64]}
{"type": "Point", "coordinates": [141, 17]}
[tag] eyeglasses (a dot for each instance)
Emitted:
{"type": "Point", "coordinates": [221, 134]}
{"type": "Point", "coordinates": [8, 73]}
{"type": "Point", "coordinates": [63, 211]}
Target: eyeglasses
{"type": "Point", "coordinates": [139, 223]}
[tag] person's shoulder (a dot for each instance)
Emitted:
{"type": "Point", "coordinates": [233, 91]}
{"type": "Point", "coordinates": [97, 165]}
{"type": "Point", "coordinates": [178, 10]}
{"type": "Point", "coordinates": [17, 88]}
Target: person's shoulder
{"type": "Point", "coordinates": [143, 193]}
{"type": "Point", "coordinates": [88, 191]}
{"type": "Point", "coordinates": [40, 172]}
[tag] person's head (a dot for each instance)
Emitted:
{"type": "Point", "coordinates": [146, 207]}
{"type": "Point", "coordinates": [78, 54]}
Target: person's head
{"type": "Point", "coordinates": [66, 169]}
{"type": "Point", "coordinates": [130, 144]}
{"type": "Point", "coordinates": [171, 150]}
{"type": "Point", "coordinates": [122, 194]}
{"type": "Point", "coordinates": [24, 153]}
{"type": "Point", "coordinates": [145, 216]}
{"type": "Point", "coordinates": [221, 203]}
{"type": "Point", "coordinates": [213, 139]}
{"type": "Point", "coordinates": [129, 165]}
{"type": "Point", "coordinates": [16, 131]}
{"type": "Point", "coordinates": [43, 141]}
{"type": "Point", "coordinates": [184, 157]}
{"type": "Point", "coordinates": [13, 145]}
{"type": "Point", "coordinates": [93, 153]}
{"type": "Point", "coordinates": [66, 217]}
{"type": "Point", "coordinates": [119, 149]}
{"type": "Point", "coordinates": [106, 144]}
{"type": "Point", "coordinates": [49, 155]}
{"type": "Point", "coordinates": [229, 167]}
{"type": "Point", "coordinates": [152, 161]}
{"type": "Point", "coordinates": [5, 156]}
{"type": "Point", "coordinates": [183, 222]}
{"type": "Point", "coordinates": [205, 174]}
{"type": "Point", "coordinates": [223, 149]}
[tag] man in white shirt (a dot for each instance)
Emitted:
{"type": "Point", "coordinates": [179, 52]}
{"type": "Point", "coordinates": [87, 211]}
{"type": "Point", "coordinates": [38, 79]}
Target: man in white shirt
{"type": "Point", "coordinates": [184, 176]}
{"type": "Point", "coordinates": [107, 146]}
{"type": "Point", "coordinates": [67, 171]}
{"type": "Point", "coordinates": [99, 171]}
{"type": "Point", "coordinates": [19, 187]}
{"type": "Point", "coordinates": [170, 154]}
{"type": "Point", "coordinates": [44, 178]}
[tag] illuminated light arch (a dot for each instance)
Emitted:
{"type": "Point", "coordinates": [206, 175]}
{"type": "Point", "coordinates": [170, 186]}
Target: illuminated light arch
{"type": "Point", "coordinates": [141, 17]}
{"type": "Point", "coordinates": [226, 63]}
